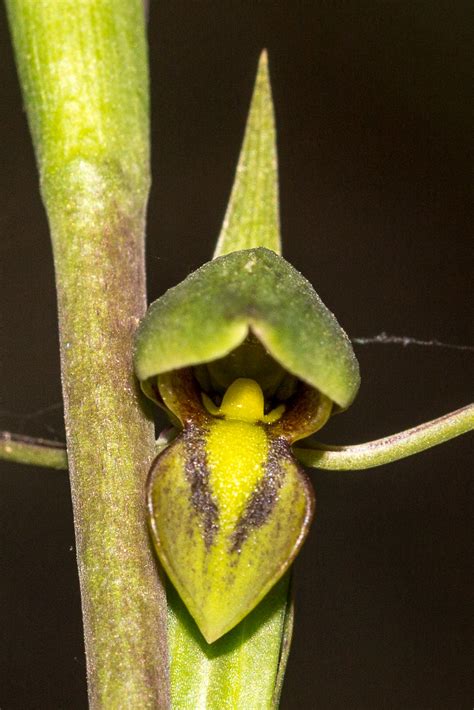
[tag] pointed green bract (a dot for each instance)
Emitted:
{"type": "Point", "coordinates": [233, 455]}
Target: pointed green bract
{"type": "Point", "coordinates": [252, 218]}
{"type": "Point", "coordinates": [211, 312]}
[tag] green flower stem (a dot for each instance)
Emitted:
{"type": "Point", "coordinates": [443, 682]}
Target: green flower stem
{"type": "Point", "coordinates": [390, 448]}
{"type": "Point", "coordinates": [37, 452]}
{"type": "Point", "coordinates": [253, 216]}
{"type": "Point", "coordinates": [83, 71]}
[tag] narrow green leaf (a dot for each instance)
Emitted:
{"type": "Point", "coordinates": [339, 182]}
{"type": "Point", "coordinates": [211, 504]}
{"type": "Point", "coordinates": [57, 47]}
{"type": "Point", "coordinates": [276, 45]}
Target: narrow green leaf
{"type": "Point", "coordinates": [36, 452]}
{"type": "Point", "coordinates": [253, 218]}
{"type": "Point", "coordinates": [390, 448]}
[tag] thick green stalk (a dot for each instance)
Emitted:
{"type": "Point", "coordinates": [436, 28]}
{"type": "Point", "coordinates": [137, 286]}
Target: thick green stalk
{"type": "Point", "coordinates": [83, 71]}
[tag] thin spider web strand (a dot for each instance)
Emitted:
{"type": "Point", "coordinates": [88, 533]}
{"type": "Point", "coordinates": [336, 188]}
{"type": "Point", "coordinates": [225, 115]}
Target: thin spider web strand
{"type": "Point", "coordinates": [405, 340]}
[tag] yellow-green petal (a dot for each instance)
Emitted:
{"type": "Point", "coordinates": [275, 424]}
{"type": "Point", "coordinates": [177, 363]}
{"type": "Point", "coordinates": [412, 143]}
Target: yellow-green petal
{"type": "Point", "coordinates": [227, 518]}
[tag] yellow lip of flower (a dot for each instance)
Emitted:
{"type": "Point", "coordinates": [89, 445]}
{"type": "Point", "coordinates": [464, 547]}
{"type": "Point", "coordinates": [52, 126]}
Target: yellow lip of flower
{"type": "Point", "coordinates": [229, 507]}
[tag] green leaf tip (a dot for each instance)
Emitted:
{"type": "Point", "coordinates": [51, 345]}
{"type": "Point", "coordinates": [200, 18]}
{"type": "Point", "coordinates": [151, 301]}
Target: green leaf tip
{"type": "Point", "coordinates": [212, 312]}
{"type": "Point", "coordinates": [252, 218]}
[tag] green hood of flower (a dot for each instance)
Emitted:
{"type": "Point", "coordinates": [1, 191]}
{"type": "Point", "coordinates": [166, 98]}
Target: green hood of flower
{"type": "Point", "coordinates": [211, 313]}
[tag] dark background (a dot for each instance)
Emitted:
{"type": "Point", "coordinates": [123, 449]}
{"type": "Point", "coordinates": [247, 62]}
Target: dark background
{"type": "Point", "coordinates": [372, 106]}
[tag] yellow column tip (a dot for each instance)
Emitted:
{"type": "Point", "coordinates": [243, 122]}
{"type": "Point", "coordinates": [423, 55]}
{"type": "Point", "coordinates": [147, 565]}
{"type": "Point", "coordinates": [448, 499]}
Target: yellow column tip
{"type": "Point", "coordinates": [243, 401]}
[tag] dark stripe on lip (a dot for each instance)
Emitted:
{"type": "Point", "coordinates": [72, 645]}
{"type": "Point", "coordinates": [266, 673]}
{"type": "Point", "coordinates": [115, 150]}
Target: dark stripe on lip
{"type": "Point", "coordinates": [197, 474]}
{"type": "Point", "coordinates": [264, 497]}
